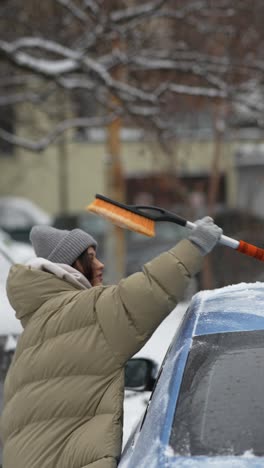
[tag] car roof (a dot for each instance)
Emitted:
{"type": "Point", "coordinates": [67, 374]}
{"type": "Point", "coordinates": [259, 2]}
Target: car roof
{"type": "Point", "coordinates": [239, 307]}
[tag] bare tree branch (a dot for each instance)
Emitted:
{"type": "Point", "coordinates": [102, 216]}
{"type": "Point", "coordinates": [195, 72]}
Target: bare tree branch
{"type": "Point", "coordinates": [163, 47]}
{"type": "Point", "coordinates": [137, 11]}
{"type": "Point", "coordinates": [197, 91]}
{"type": "Point", "coordinates": [40, 145]}
{"type": "Point", "coordinates": [19, 98]}
{"type": "Point", "coordinates": [74, 10]}
{"type": "Point", "coordinates": [92, 6]}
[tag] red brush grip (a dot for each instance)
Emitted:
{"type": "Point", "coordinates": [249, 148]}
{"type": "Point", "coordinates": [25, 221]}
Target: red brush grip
{"type": "Point", "coordinates": [251, 250]}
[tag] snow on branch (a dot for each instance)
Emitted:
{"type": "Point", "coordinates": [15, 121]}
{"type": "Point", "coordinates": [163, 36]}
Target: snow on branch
{"type": "Point", "coordinates": [74, 10]}
{"type": "Point", "coordinates": [58, 67]}
{"type": "Point", "coordinates": [197, 91]}
{"type": "Point", "coordinates": [143, 111]}
{"type": "Point", "coordinates": [156, 59]}
{"type": "Point", "coordinates": [155, 10]}
{"type": "Point", "coordinates": [44, 142]}
{"type": "Point", "coordinates": [38, 43]}
{"type": "Point", "coordinates": [136, 11]}
{"type": "Point", "coordinates": [43, 66]}
{"type": "Point", "coordinates": [19, 98]}
{"type": "Point", "coordinates": [92, 6]}
{"type": "Point", "coordinates": [76, 82]}
{"type": "Point", "coordinates": [196, 65]}
{"type": "Point", "coordinates": [192, 12]}
{"type": "Point", "coordinates": [74, 60]}
{"type": "Point", "coordinates": [38, 65]}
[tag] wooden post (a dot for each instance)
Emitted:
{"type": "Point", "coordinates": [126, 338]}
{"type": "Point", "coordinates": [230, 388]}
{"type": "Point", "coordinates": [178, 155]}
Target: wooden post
{"type": "Point", "coordinates": [63, 176]}
{"type": "Point", "coordinates": [115, 186]}
{"type": "Point", "coordinates": [215, 169]}
{"type": "Point", "coordinates": [207, 271]}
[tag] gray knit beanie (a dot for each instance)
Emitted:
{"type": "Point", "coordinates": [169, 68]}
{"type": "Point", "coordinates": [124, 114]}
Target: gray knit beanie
{"type": "Point", "coordinates": [60, 246]}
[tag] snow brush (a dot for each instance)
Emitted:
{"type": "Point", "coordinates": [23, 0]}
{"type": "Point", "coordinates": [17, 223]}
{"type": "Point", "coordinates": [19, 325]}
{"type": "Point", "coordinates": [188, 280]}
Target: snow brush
{"type": "Point", "coordinates": [142, 219]}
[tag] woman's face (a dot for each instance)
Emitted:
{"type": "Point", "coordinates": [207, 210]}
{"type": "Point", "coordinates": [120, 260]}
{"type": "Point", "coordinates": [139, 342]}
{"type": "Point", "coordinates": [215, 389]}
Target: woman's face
{"type": "Point", "coordinates": [97, 267]}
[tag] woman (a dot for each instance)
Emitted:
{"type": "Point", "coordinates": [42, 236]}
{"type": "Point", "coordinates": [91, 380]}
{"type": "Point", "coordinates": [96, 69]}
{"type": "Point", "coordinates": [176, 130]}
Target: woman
{"type": "Point", "coordinates": [63, 395]}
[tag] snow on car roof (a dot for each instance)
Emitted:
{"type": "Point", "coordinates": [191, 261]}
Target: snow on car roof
{"type": "Point", "coordinates": [240, 287]}
{"type": "Point", "coordinates": [231, 308]}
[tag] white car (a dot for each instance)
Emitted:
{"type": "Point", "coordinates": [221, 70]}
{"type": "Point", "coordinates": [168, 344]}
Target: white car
{"type": "Point", "coordinates": [10, 252]}
{"type": "Point", "coordinates": [16, 252]}
{"type": "Point", "coordinates": [21, 212]}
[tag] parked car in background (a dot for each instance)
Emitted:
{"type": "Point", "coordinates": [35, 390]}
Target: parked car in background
{"type": "Point", "coordinates": [141, 249]}
{"type": "Point", "coordinates": [18, 215]}
{"type": "Point", "coordinates": [18, 252]}
{"type": "Point", "coordinates": [207, 407]}
{"type": "Point", "coordinates": [10, 328]}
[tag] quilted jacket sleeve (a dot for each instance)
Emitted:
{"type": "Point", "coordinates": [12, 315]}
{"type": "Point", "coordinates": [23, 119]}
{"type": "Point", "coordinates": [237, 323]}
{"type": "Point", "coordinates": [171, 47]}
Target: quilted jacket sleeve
{"type": "Point", "coordinates": [130, 312]}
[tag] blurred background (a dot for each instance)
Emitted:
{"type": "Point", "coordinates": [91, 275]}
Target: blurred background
{"type": "Point", "coordinates": [154, 102]}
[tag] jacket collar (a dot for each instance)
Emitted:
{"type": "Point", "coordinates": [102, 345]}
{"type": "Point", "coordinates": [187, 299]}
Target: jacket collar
{"type": "Point", "coordinates": [61, 270]}
{"type": "Point", "coordinates": [29, 288]}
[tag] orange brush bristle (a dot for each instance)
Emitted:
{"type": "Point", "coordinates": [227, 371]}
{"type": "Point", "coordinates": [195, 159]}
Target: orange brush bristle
{"type": "Point", "coordinates": [122, 217]}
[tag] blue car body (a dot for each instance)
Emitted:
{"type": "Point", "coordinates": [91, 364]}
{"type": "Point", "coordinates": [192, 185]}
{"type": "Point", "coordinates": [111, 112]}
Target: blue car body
{"type": "Point", "coordinates": [227, 311]}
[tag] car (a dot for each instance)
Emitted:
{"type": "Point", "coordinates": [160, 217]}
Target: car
{"type": "Point", "coordinates": [18, 215]}
{"type": "Point", "coordinates": [11, 252]}
{"type": "Point", "coordinates": [207, 406]}
{"type": "Point", "coordinates": [16, 251]}
{"type": "Point", "coordinates": [10, 328]}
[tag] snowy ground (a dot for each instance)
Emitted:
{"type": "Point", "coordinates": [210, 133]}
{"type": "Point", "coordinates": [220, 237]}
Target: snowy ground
{"type": "Point", "coordinates": [155, 348]}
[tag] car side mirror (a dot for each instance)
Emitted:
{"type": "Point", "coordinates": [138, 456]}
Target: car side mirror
{"type": "Point", "coordinates": [139, 374]}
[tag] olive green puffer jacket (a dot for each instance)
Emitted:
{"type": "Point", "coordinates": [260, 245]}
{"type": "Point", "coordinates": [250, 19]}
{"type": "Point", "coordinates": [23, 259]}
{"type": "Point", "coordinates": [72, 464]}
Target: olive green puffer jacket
{"type": "Point", "coordinates": [63, 394]}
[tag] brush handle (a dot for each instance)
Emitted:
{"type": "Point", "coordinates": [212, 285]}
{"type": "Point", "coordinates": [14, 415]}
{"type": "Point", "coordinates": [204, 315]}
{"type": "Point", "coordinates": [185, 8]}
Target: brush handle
{"type": "Point", "coordinates": [161, 214]}
{"type": "Point", "coordinates": [224, 240]}
{"type": "Point", "coordinates": [251, 250]}
{"type": "Point", "coordinates": [239, 245]}
{"type": "Point", "coordinates": [158, 214]}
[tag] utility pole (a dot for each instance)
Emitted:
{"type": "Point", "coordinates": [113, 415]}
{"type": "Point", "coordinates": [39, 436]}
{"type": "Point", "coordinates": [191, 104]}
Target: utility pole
{"type": "Point", "coordinates": [115, 186]}
{"type": "Point", "coordinates": [214, 181]}
{"type": "Point", "coordinates": [63, 182]}
{"type": "Point", "coordinates": [62, 144]}
{"type": "Point", "coordinates": [218, 123]}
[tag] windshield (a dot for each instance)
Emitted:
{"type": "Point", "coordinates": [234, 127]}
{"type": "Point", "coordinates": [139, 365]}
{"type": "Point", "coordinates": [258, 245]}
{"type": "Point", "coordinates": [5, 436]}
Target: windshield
{"type": "Point", "coordinates": [221, 404]}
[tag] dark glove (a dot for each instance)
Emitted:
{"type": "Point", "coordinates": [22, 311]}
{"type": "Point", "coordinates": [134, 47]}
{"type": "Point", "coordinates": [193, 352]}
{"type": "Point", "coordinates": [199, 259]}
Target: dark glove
{"type": "Point", "coordinates": [206, 234]}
